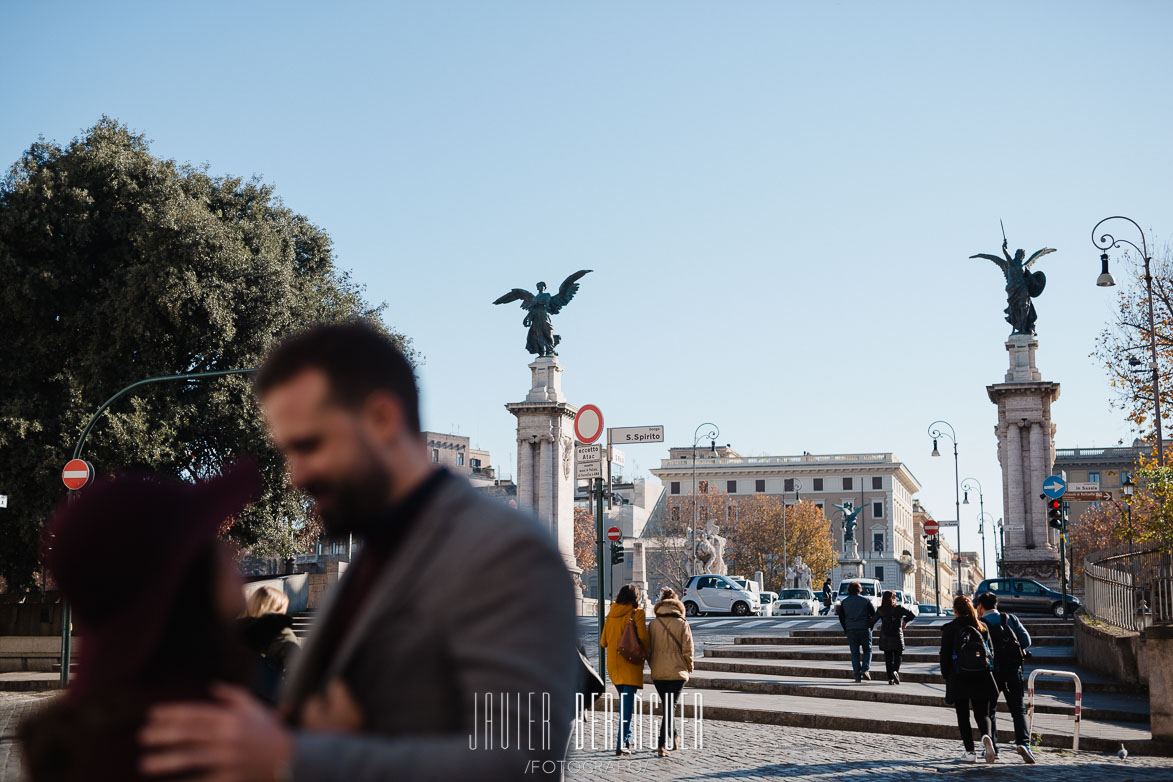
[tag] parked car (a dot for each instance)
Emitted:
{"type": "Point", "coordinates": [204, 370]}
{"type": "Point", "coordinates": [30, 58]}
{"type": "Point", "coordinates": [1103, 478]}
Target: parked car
{"type": "Point", "coordinates": [797, 601]}
{"type": "Point", "coordinates": [869, 588]}
{"type": "Point", "coordinates": [905, 599]}
{"type": "Point", "coordinates": [769, 599]}
{"type": "Point", "coordinates": [930, 609]}
{"type": "Point", "coordinates": [1024, 595]}
{"type": "Point", "coordinates": [715, 594]}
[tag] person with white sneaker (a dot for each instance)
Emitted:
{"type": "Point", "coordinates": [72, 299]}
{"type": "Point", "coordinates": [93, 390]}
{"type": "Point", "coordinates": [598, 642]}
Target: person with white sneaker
{"type": "Point", "coordinates": [1009, 640]}
{"type": "Point", "coordinates": [967, 666]}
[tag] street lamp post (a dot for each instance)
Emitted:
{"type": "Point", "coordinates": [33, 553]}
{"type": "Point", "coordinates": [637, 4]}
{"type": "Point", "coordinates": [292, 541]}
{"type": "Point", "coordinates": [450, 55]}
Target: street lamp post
{"type": "Point", "coordinates": [937, 433]}
{"type": "Point", "coordinates": [968, 485]}
{"type": "Point", "coordinates": [697, 436]}
{"type": "Point", "coordinates": [983, 517]}
{"type": "Point", "coordinates": [1105, 280]}
{"type": "Point", "coordinates": [1002, 538]}
{"type": "Point", "coordinates": [785, 558]}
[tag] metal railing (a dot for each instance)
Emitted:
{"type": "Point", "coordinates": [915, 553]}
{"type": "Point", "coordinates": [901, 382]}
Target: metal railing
{"type": "Point", "coordinates": [1129, 588]}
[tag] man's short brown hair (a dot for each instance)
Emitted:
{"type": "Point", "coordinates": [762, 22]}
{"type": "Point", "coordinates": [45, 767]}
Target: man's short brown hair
{"type": "Point", "coordinates": [854, 588]}
{"type": "Point", "coordinates": [357, 360]}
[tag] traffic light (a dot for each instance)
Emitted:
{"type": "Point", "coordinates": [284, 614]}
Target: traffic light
{"type": "Point", "coordinates": [932, 546]}
{"type": "Point", "coordinates": [616, 553]}
{"type": "Point", "coordinates": [1055, 513]}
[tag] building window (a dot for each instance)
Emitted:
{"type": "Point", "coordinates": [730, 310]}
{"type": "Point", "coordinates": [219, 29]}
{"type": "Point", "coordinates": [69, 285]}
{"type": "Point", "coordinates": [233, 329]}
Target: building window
{"type": "Point", "coordinates": [877, 510]}
{"type": "Point", "coordinates": [819, 505]}
{"type": "Point", "coordinates": [475, 463]}
{"type": "Point", "coordinates": [818, 484]}
{"type": "Point", "coordinates": [436, 455]}
{"type": "Point", "coordinates": [877, 483]}
{"type": "Point", "coordinates": [878, 542]}
{"type": "Point", "coordinates": [459, 460]}
{"type": "Point", "coordinates": [846, 483]}
{"type": "Point", "coordinates": [1093, 477]}
{"type": "Point", "coordinates": [880, 573]}
{"type": "Point", "coordinates": [675, 487]}
{"type": "Point", "coordinates": [675, 513]}
{"type": "Point", "coordinates": [759, 485]}
{"type": "Point", "coordinates": [731, 487]}
{"type": "Point", "coordinates": [788, 484]}
{"type": "Point", "coordinates": [704, 487]}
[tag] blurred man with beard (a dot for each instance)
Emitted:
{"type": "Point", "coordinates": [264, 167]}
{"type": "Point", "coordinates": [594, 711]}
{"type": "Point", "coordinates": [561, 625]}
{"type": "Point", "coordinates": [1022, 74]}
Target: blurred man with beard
{"type": "Point", "coordinates": [454, 599]}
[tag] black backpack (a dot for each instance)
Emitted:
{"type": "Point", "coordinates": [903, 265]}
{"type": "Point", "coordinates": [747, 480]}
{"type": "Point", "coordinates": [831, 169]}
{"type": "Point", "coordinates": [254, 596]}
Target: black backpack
{"type": "Point", "coordinates": [971, 653]}
{"type": "Point", "coordinates": [1007, 650]}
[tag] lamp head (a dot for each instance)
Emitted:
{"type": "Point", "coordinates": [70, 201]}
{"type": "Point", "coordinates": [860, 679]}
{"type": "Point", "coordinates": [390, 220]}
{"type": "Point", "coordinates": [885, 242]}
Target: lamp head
{"type": "Point", "coordinates": [1105, 280]}
{"type": "Point", "coordinates": [966, 500]}
{"type": "Point", "coordinates": [935, 451]}
{"type": "Point", "coordinates": [1129, 485]}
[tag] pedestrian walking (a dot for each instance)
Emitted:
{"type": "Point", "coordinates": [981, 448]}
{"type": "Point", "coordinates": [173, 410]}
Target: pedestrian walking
{"type": "Point", "coordinates": [968, 669]}
{"type": "Point", "coordinates": [155, 595]}
{"type": "Point", "coordinates": [1010, 641]}
{"type": "Point", "coordinates": [454, 598]}
{"type": "Point", "coordinates": [268, 632]}
{"type": "Point", "coordinates": [827, 598]}
{"type": "Point", "coordinates": [856, 616]}
{"type": "Point", "coordinates": [892, 618]}
{"type": "Point", "coordinates": [670, 659]}
{"type": "Point", "coordinates": [625, 637]}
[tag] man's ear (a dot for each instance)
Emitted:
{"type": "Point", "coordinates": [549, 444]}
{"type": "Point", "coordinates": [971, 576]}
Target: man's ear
{"type": "Point", "coordinates": [384, 413]}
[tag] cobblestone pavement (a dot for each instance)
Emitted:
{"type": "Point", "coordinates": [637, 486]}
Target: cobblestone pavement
{"type": "Point", "coordinates": [746, 751]}
{"type": "Point", "coordinates": [13, 707]}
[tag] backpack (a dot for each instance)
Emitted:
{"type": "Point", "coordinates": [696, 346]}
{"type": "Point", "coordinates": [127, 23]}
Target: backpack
{"type": "Point", "coordinates": [971, 653]}
{"type": "Point", "coordinates": [630, 647]}
{"type": "Point", "coordinates": [1007, 650]}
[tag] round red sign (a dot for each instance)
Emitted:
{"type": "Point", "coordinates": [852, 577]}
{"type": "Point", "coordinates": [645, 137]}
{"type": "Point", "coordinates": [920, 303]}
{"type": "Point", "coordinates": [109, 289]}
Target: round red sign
{"type": "Point", "coordinates": [614, 534]}
{"type": "Point", "coordinates": [932, 527]}
{"type": "Point", "coordinates": [588, 424]}
{"type": "Point", "coordinates": [77, 473]}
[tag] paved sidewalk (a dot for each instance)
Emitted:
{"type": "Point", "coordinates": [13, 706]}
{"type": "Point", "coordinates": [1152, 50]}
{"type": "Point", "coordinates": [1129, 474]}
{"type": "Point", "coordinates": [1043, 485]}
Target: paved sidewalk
{"type": "Point", "coordinates": [13, 707]}
{"type": "Point", "coordinates": [747, 751]}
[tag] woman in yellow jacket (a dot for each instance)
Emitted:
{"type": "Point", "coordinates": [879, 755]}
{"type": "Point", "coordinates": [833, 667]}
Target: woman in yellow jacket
{"type": "Point", "coordinates": [627, 677]}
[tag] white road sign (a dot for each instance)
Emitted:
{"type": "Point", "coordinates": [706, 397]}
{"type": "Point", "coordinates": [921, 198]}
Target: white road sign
{"type": "Point", "coordinates": [588, 453]}
{"type": "Point", "coordinates": [3, 500]}
{"type": "Point", "coordinates": [588, 470]}
{"type": "Point", "coordinates": [637, 434]}
{"type": "Point", "coordinates": [946, 523]}
{"type": "Point", "coordinates": [617, 456]}
{"type": "Point", "coordinates": [1085, 486]}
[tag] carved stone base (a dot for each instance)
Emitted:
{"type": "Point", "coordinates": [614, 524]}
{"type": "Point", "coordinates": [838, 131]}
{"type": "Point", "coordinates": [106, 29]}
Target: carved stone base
{"type": "Point", "coordinates": [850, 568]}
{"type": "Point", "coordinates": [1045, 571]}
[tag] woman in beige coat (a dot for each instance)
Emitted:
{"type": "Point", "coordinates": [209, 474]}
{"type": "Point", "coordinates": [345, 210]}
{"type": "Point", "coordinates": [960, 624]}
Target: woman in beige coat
{"type": "Point", "coordinates": [670, 658]}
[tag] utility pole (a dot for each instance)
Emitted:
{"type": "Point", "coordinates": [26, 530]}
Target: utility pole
{"type": "Point", "coordinates": [602, 590]}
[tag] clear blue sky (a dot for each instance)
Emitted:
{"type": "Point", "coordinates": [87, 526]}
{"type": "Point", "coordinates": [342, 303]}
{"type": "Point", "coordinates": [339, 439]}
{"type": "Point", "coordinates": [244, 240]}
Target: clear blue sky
{"type": "Point", "coordinates": [778, 198]}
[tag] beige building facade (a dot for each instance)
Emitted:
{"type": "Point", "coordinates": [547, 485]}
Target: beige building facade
{"type": "Point", "coordinates": [883, 484]}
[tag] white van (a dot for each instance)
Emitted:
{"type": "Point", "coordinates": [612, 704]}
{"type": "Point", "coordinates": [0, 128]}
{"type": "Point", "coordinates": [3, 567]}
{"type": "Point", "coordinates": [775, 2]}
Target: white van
{"type": "Point", "coordinates": [869, 588]}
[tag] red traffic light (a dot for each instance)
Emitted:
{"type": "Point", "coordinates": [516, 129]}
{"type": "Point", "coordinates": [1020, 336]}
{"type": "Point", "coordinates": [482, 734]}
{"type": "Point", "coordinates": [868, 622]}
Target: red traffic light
{"type": "Point", "coordinates": [1055, 504]}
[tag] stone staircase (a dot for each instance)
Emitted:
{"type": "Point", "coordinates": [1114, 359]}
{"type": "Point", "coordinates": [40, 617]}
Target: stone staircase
{"type": "Point", "coordinates": [803, 678]}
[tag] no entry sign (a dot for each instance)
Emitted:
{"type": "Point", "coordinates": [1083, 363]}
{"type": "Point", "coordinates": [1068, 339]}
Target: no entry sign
{"type": "Point", "coordinates": [614, 534]}
{"type": "Point", "coordinates": [932, 527]}
{"type": "Point", "coordinates": [77, 473]}
{"type": "Point", "coordinates": [588, 424]}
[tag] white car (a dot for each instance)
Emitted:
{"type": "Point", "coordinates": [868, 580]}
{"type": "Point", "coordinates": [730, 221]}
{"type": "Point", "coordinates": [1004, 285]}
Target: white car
{"type": "Point", "coordinates": [905, 599]}
{"type": "Point", "coordinates": [711, 593]}
{"type": "Point", "coordinates": [796, 601]}
{"type": "Point", "coordinates": [768, 599]}
{"type": "Point", "coordinates": [869, 588]}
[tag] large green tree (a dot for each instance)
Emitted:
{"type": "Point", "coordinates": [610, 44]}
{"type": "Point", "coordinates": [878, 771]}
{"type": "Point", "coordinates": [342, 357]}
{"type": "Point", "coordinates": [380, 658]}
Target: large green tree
{"type": "Point", "coordinates": [116, 266]}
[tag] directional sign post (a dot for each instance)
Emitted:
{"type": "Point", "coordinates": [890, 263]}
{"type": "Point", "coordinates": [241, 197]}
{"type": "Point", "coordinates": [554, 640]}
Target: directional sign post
{"type": "Point", "coordinates": [637, 434]}
{"type": "Point", "coordinates": [1088, 496]}
{"type": "Point", "coordinates": [1054, 487]}
{"type": "Point", "coordinates": [1075, 486]}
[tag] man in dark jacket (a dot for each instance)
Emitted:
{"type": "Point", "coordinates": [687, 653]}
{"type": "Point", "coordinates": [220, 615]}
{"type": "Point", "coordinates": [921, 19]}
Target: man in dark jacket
{"type": "Point", "coordinates": [857, 615]}
{"type": "Point", "coordinates": [456, 606]}
{"type": "Point", "coordinates": [1007, 669]}
{"type": "Point", "coordinates": [827, 599]}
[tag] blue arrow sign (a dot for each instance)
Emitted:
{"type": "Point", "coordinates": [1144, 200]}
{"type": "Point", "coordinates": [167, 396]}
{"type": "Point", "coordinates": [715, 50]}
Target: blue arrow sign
{"type": "Point", "coordinates": [1054, 487]}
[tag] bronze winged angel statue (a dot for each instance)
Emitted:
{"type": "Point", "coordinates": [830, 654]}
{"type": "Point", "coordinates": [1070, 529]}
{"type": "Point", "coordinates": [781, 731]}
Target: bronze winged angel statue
{"type": "Point", "coordinates": [1022, 285]}
{"type": "Point", "coordinates": [541, 339]}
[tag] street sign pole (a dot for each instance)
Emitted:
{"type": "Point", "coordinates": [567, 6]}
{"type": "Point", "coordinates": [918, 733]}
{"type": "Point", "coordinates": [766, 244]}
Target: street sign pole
{"type": "Point", "coordinates": [1063, 559]}
{"type": "Point", "coordinates": [66, 611]}
{"type": "Point", "coordinates": [937, 575]}
{"type": "Point", "coordinates": [599, 568]}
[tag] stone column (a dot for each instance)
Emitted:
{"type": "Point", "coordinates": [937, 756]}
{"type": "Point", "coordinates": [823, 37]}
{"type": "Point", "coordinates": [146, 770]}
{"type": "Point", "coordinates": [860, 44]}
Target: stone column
{"type": "Point", "coordinates": [1026, 451]}
{"type": "Point", "coordinates": [545, 483]}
